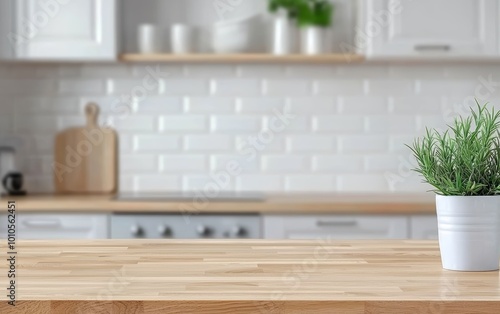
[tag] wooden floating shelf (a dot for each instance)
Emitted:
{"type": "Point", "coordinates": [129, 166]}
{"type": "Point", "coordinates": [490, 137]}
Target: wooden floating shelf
{"type": "Point", "coordinates": [243, 58]}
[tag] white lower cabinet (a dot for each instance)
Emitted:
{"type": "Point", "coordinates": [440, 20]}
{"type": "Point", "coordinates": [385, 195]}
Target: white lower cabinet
{"type": "Point", "coordinates": [335, 227]}
{"type": "Point", "coordinates": [424, 227]}
{"type": "Point", "coordinates": [59, 226]}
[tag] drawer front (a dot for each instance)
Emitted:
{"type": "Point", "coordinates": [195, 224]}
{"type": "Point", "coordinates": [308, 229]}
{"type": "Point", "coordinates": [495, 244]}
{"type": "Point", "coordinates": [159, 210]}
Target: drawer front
{"type": "Point", "coordinates": [59, 226]}
{"type": "Point", "coordinates": [335, 227]}
{"type": "Point", "coordinates": [424, 227]}
{"type": "Point", "coordinates": [180, 227]}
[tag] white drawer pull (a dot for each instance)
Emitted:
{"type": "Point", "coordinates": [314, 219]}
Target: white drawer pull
{"type": "Point", "coordinates": [42, 223]}
{"type": "Point", "coordinates": [333, 223]}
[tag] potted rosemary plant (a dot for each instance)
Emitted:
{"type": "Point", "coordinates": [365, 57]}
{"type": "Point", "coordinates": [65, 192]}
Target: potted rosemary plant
{"type": "Point", "coordinates": [463, 165]}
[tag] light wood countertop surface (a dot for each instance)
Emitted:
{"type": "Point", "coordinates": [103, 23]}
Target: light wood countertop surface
{"type": "Point", "coordinates": [243, 276]}
{"type": "Point", "coordinates": [272, 203]}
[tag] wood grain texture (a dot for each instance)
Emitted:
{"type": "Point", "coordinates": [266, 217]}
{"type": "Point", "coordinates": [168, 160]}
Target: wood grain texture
{"type": "Point", "coordinates": [86, 158]}
{"type": "Point", "coordinates": [273, 203]}
{"type": "Point", "coordinates": [243, 58]}
{"type": "Point", "coordinates": [244, 276]}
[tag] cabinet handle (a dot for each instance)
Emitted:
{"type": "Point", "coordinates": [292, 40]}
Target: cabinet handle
{"type": "Point", "coordinates": [332, 223]}
{"type": "Point", "coordinates": [42, 223]}
{"type": "Point", "coordinates": [432, 47]}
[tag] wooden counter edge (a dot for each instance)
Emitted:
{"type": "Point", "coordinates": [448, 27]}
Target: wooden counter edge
{"type": "Point", "coordinates": [244, 307]}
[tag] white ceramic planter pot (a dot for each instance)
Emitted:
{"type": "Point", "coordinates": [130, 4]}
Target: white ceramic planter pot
{"type": "Point", "coordinates": [283, 35]}
{"type": "Point", "coordinates": [469, 232]}
{"type": "Point", "coordinates": [312, 40]}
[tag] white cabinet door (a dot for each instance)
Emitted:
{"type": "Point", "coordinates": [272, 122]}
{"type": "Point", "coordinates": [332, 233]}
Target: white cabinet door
{"type": "Point", "coordinates": [429, 28]}
{"type": "Point", "coordinates": [6, 26]}
{"type": "Point", "coordinates": [59, 226]}
{"type": "Point", "coordinates": [71, 30]}
{"type": "Point", "coordinates": [335, 227]}
{"type": "Point", "coordinates": [424, 227]}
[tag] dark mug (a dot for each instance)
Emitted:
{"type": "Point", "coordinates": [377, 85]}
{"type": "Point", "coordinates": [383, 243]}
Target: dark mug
{"type": "Point", "coordinates": [13, 183]}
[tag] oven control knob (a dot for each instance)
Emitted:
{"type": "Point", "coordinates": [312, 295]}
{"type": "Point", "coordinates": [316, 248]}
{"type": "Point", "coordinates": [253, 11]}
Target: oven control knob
{"type": "Point", "coordinates": [238, 232]}
{"type": "Point", "coordinates": [136, 231]}
{"type": "Point", "coordinates": [164, 231]}
{"type": "Point", "coordinates": [203, 231]}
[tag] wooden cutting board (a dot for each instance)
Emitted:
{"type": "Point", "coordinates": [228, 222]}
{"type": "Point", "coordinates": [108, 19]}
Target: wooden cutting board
{"type": "Point", "coordinates": [85, 158]}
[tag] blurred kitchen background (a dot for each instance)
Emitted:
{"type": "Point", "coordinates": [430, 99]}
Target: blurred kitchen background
{"type": "Point", "coordinates": [351, 117]}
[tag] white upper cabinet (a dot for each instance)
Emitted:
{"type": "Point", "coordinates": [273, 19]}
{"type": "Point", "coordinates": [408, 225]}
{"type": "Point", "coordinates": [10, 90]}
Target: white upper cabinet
{"type": "Point", "coordinates": [71, 30]}
{"type": "Point", "coordinates": [428, 28]}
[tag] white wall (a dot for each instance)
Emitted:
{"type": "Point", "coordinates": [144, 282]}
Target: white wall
{"type": "Point", "coordinates": [348, 134]}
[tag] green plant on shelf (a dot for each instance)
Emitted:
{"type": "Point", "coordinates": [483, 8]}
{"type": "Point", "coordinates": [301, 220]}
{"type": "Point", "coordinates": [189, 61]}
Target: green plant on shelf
{"type": "Point", "coordinates": [465, 159]}
{"type": "Point", "coordinates": [305, 12]}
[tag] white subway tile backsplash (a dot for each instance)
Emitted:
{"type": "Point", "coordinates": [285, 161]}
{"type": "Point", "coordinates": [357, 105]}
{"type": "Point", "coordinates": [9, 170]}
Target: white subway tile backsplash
{"type": "Point", "coordinates": [185, 87]}
{"type": "Point", "coordinates": [261, 142]}
{"type": "Point", "coordinates": [125, 143]}
{"type": "Point", "coordinates": [312, 143]}
{"type": "Point", "coordinates": [449, 87]}
{"type": "Point", "coordinates": [397, 143]}
{"type": "Point", "coordinates": [235, 123]}
{"type": "Point", "coordinates": [287, 87]}
{"type": "Point", "coordinates": [65, 122]}
{"type": "Point", "coordinates": [389, 124]}
{"type": "Point", "coordinates": [355, 71]}
{"type": "Point", "coordinates": [26, 87]}
{"type": "Point", "coordinates": [136, 88]}
{"type": "Point", "coordinates": [241, 163]}
{"type": "Point", "coordinates": [208, 142]}
{"type": "Point", "coordinates": [260, 71]}
{"type": "Point", "coordinates": [316, 105]}
{"type": "Point", "coordinates": [394, 87]}
{"type": "Point", "coordinates": [157, 143]}
{"type": "Point", "coordinates": [126, 183]}
{"type": "Point", "coordinates": [259, 182]}
{"type": "Point", "coordinates": [417, 105]}
{"type": "Point", "coordinates": [183, 123]}
{"type": "Point", "coordinates": [159, 105]}
{"type": "Point", "coordinates": [39, 184]}
{"type": "Point", "coordinates": [139, 163]}
{"type": "Point", "coordinates": [263, 105]}
{"type": "Point", "coordinates": [105, 70]}
{"type": "Point", "coordinates": [352, 144]}
{"type": "Point", "coordinates": [347, 127]}
{"type": "Point", "coordinates": [298, 124]}
{"type": "Point", "coordinates": [363, 105]}
{"type": "Point", "coordinates": [310, 71]}
{"type": "Point", "coordinates": [209, 70]}
{"type": "Point", "coordinates": [43, 124]}
{"type": "Point", "coordinates": [207, 105]}
{"type": "Point", "coordinates": [310, 183]}
{"type": "Point", "coordinates": [363, 183]}
{"type": "Point", "coordinates": [339, 87]}
{"type": "Point", "coordinates": [209, 185]}
{"type": "Point", "coordinates": [80, 86]}
{"type": "Point", "coordinates": [44, 105]}
{"type": "Point", "coordinates": [337, 163]}
{"type": "Point", "coordinates": [236, 87]}
{"type": "Point", "coordinates": [338, 124]}
{"type": "Point", "coordinates": [35, 165]}
{"type": "Point", "coordinates": [134, 123]}
{"type": "Point", "coordinates": [157, 183]}
{"type": "Point", "coordinates": [157, 70]}
{"type": "Point", "coordinates": [183, 163]}
{"type": "Point", "coordinates": [285, 163]}
{"type": "Point", "coordinates": [378, 163]}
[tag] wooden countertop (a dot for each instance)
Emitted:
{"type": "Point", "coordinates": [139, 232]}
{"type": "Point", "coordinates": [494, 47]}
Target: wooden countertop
{"type": "Point", "coordinates": [243, 276]}
{"type": "Point", "coordinates": [273, 203]}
